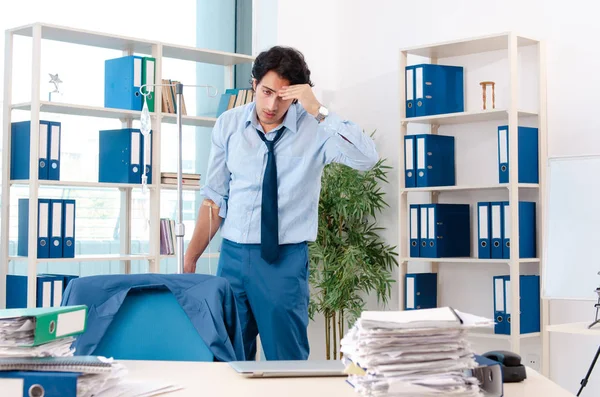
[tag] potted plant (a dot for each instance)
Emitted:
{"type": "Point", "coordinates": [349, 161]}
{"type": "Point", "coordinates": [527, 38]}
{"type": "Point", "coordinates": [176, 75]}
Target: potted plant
{"type": "Point", "coordinates": [349, 259]}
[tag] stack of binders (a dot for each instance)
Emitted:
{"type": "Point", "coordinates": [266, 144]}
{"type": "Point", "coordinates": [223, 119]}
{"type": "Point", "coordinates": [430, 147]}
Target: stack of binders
{"type": "Point", "coordinates": [440, 230]}
{"type": "Point", "coordinates": [494, 229]}
{"type": "Point", "coordinates": [49, 150]}
{"type": "Point", "coordinates": [527, 157]}
{"type": "Point", "coordinates": [421, 291]}
{"type": "Point", "coordinates": [429, 161]}
{"type": "Point", "coordinates": [56, 228]}
{"type": "Point", "coordinates": [121, 156]}
{"type": "Point", "coordinates": [123, 78]}
{"type": "Point", "coordinates": [434, 89]}
{"type": "Point", "coordinates": [234, 97]}
{"type": "Point", "coordinates": [529, 304]}
{"type": "Point", "coordinates": [49, 290]}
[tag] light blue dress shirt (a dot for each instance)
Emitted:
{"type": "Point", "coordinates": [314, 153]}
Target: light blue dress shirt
{"type": "Point", "coordinates": [238, 158]}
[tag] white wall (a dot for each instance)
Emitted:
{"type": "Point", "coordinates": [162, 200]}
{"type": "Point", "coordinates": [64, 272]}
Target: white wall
{"type": "Point", "coordinates": [353, 48]}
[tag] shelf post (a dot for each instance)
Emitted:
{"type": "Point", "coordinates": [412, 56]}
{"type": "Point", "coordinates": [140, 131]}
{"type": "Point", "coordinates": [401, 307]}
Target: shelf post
{"type": "Point", "coordinates": [513, 189]}
{"type": "Point", "coordinates": [403, 224]}
{"type": "Point", "coordinates": [8, 61]}
{"type": "Point", "coordinates": [155, 194]}
{"type": "Point", "coordinates": [543, 158]}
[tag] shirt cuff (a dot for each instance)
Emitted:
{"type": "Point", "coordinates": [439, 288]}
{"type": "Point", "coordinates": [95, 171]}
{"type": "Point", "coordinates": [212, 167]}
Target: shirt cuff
{"type": "Point", "coordinates": [218, 199]}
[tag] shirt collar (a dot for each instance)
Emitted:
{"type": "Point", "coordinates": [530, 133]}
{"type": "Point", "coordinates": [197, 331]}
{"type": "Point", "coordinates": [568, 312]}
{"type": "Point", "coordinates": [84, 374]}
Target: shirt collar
{"type": "Point", "coordinates": [290, 121]}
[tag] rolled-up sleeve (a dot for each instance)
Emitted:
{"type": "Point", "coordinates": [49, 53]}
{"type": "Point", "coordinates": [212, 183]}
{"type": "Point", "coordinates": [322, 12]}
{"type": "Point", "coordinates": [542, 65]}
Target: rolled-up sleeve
{"type": "Point", "coordinates": [348, 144]}
{"type": "Point", "coordinates": [216, 187]}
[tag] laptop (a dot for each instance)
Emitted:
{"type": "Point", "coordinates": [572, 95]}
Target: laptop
{"type": "Point", "coordinates": [284, 368]}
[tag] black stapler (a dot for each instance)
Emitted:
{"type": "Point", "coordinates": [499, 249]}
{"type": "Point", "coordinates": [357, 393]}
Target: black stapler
{"type": "Point", "coordinates": [512, 369]}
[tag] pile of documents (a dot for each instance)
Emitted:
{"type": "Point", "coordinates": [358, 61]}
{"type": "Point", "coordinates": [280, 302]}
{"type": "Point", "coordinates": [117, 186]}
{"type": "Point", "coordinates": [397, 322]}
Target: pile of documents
{"type": "Point", "coordinates": [412, 353]}
{"type": "Point", "coordinates": [36, 349]}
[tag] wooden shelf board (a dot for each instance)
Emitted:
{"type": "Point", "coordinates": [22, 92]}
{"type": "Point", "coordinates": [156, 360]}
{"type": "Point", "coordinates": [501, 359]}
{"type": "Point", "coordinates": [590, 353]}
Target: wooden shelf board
{"type": "Point", "coordinates": [88, 258]}
{"type": "Point", "coordinates": [86, 185]}
{"type": "Point", "coordinates": [467, 117]}
{"type": "Point", "coordinates": [470, 46]}
{"type": "Point", "coordinates": [469, 260]}
{"type": "Point", "coordinates": [81, 110]}
{"type": "Point", "coordinates": [196, 121]}
{"type": "Point", "coordinates": [468, 187]}
{"type": "Point", "coordinates": [194, 54]}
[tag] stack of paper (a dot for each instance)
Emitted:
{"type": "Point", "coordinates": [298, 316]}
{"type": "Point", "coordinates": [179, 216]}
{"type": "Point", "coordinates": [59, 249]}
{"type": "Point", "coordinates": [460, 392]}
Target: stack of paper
{"type": "Point", "coordinates": [412, 353]}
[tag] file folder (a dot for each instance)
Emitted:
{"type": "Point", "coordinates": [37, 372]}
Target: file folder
{"type": "Point", "coordinates": [120, 156]}
{"type": "Point", "coordinates": [484, 230]}
{"type": "Point", "coordinates": [38, 383]}
{"type": "Point", "coordinates": [410, 91]}
{"type": "Point", "coordinates": [421, 291]}
{"type": "Point", "coordinates": [56, 228]}
{"type": "Point", "coordinates": [20, 135]}
{"type": "Point", "coordinates": [410, 178]}
{"type": "Point", "coordinates": [497, 230]}
{"type": "Point", "coordinates": [148, 73]}
{"type": "Point", "coordinates": [423, 229]}
{"type": "Point", "coordinates": [501, 322]}
{"type": "Point", "coordinates": [414, 230]}
{"type": "Point", "coordinates": [54, 152]}
{"type": "Point", "coordinates": [528, 156]}
{"type": "Point", "coordinates": [68, 232]}
{"type": "Point", "coordinates": [435, 160]}
{"type": "Point", "coordinates": [448, 231]}
{"type": "Point", "coordinates": [146, 159]}
{"type": "Point", "coordinates": [16, 291]}
{"type": "Point", "coordinates": [122, 82]}
{"type": "Point", "coordinates": [527, 229]}
{"type": "Point", "coordinates": [50, 323]}
{"type": "Point", "coordinates": [43, 233]}
{"type": "Point", "coordinates": [439, 89]}
{"type": "Point", "coordinates": [529, 304]}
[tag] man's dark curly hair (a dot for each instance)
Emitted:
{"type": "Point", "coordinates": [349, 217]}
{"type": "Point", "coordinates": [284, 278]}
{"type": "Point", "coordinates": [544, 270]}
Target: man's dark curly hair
{"type": "Point", "coordinates": [287, 62]}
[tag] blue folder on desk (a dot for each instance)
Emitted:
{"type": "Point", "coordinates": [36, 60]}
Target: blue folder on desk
{"type": "Point", "coordinates": [122, 82]}
{"type": "Point", "coordinates": [120, 156]}
{"type": "Point", "coordinates": [38, 383]}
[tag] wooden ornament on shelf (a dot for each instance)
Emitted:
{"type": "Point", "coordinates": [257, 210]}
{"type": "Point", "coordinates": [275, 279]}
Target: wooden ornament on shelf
{"type": "Point", "coordinates": [484, 85]}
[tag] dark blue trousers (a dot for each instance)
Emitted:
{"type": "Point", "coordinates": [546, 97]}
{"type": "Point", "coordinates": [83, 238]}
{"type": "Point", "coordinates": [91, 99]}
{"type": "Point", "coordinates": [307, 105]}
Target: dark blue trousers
{"type": "Point", "coordinates": [272, 299]}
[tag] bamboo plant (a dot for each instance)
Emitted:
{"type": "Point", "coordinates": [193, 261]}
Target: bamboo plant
{"type": "Point", "coordinates": [349, 259]}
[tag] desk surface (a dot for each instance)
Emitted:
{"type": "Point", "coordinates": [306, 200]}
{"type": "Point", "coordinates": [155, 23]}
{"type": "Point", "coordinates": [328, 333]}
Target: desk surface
{"type": "Point", "coordinates": [575, 328]}
{"type": "Point", "coordinates": [218, 379]}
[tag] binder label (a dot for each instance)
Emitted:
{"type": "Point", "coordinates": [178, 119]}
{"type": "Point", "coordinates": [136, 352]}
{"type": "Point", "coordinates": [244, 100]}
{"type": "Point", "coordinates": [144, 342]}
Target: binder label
{"type": "Point", "coordinates": [149, 76]}
{"type": "Point", "coordinates": [56, 221]}
{"type": "Point", "coordinates": [431, 230]}
{"type": "Point", "coordinates": [137, 72]}
{"type": "Point", "coordinates": [483, 222]}
{"type": "Point", "coordinates": [46, 294]}
{"type": "Point", "coordinates": [508, 297]}
{"type": "Point", "coordinates": [408, 154]}
{"type": "Point", "coordinates": [43, 221]}
{"type": "Point", "coordinates": [499, 290]}
{"type": "Point", "coordinates": [410, 293]}
{"type": "Point", "coordinates": [496, 226]}
{"type": "Point", "coordinates": [54, 144]}
{"type": "Point", "coordinates": [413, 223]}
{"type": "Point", "coordinates": [423, 223]}
{"type": "Point", "coordinates": [409, 85]}
{"type": "Point", "coordinates": [12, 387]}
{"type": "Point", "coordinates": [70, 323]}
{"type": "Point", "coordinates": [419, 82]}
{"type": "Point", "coordinates": [507, 221]}
{"type": "Point", "coordinates": [70, 220]}
{"type": "Point", "coordinates": [421, 153]}
{"type": "Point", "coordinates": [135, 148]}
{"type": "Point", "coordinates": [43, 143]}
{"type": "Point", "coordinates": [503, 147]}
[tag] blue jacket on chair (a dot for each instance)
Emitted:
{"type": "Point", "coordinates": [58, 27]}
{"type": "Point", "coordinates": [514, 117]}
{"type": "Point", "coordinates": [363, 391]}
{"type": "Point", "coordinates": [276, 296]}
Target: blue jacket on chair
{"type": "Point", "coordinates": [207, 300]}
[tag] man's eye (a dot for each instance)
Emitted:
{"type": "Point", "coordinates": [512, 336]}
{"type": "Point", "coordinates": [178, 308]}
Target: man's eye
{"type": "Point", "coordinates": [267, 92]}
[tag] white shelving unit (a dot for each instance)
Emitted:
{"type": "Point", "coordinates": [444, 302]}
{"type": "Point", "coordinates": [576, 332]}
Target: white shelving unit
{"type": "Point", "coordinates": [511, 115]}
{"type": "Point", "coordinates": [128, 45]}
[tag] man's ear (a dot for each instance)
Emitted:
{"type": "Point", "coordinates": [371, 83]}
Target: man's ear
{"type": "Point", "coordinates": [254, 84]}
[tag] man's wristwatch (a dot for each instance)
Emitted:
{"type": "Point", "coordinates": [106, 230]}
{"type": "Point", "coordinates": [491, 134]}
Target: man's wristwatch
{"type": "Point", "coordinates": [323, 112]}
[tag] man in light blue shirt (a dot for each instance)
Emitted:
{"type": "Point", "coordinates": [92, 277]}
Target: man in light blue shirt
{"type": "Point", "coordinates": [262, 188]}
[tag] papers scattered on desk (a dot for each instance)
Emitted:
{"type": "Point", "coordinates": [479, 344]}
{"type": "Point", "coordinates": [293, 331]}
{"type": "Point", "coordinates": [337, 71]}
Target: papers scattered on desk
{"type": "Point", "coordinates": [412, 353]}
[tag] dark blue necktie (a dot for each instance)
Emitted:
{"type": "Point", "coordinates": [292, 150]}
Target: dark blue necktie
{"type": "Point", "coordinates": [269, 228]}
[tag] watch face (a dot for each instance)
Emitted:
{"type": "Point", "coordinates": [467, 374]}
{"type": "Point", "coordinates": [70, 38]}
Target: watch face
{"type": "Point", "coordinates": [324, 111]}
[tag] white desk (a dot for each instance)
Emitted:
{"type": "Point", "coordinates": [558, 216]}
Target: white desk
{"type": "Point", "coordinates": [218, 379]}
{"type": "Point", "coordinates": [575, 328]}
